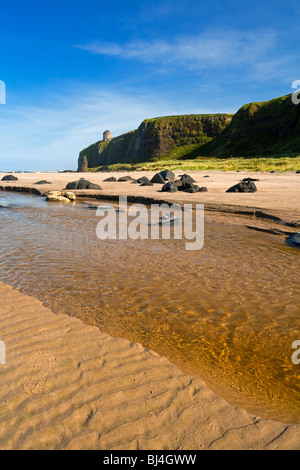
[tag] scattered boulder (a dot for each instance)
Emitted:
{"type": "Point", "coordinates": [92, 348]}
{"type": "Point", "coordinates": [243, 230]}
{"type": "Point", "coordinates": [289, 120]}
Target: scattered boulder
{"type": "Point", "coordinates": [187, 185]}
{"type": "Point", "coordinates": [111, 179]}
{"type": "Point", "coordinates": [82, 184]}
{"type": "Point", "coordinates": [143, 179]}
{"type": "Point", "coordinates": [42, 182]}
{"type": "Point", "coordinates": [147, 183]}
{"type": "Point", "coordinates": [9, 178]}
{"type": "Point", "coordinates": [192, 189]}
{"type": "Point", "coordinates": [72, 185]}
{"type": "Point", "coordinates": [167, 175]}
{"type": "Point", "coordinates": [187, 178]}
{"type": "Point", "coordinates": [157, 179]}
{"type": "Point", "coordinates": [187, 182]}
{"type": "Point", "coordinates": [195, 189]}
{"type": "Point", "coordinates": [125, 178]}
{"type": "Point", "coordinates": [295, 239]}
{"type": "Point", "coordinates": [169, 187]}
{"type": "Point", "coordinates": [243, 187]}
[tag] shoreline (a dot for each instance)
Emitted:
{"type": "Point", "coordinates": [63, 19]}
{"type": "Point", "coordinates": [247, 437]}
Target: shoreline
{"type": "Point", "coordinates": [184, 401]}
{"type": "Point", "coordinates": [58, 394]}
{"type": "Point", "coordinates": [271, 202]}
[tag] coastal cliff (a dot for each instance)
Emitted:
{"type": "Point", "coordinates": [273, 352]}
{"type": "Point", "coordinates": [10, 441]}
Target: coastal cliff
{"type": "Point", "coordinates": [257, 129]}
{"type": "Point", "coordinates": [172, 136]}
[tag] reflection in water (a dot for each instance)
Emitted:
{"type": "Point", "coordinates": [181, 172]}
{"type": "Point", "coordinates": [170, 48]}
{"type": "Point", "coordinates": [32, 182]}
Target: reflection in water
{"type": "Point", "coordinates": [228, 313]}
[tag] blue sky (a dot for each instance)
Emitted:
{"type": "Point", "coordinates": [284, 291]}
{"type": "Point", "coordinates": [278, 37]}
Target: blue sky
{"type": "Point", "coordinates": [73, 69]}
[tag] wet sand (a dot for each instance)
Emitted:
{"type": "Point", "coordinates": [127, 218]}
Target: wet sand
{"type": "Point", "coordinates": [69, 386]}
{"type": "Point", "coordinates": [59, 394]}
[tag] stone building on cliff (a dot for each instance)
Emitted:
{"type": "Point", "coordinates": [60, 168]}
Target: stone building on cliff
{"type": "Point", "coordinates": [107, 136]}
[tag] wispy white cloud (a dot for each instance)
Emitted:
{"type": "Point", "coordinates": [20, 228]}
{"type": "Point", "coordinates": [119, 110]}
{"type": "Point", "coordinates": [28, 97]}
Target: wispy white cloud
{"type": "Point", "coordinates": [221, 49]}
{"type": "Point", "coordinates": [51, 136]}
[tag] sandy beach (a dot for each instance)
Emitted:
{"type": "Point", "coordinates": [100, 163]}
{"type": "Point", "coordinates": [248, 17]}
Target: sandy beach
{"type": "Point", "coordinates": [69, 386]}
{"type": "Point", "coordinates": [277, 193]}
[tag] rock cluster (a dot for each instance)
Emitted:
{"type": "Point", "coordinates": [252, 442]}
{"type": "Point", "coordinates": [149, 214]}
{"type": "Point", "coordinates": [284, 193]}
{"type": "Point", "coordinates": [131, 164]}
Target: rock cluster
{"type": "Point", "coordinates": [185, 183]}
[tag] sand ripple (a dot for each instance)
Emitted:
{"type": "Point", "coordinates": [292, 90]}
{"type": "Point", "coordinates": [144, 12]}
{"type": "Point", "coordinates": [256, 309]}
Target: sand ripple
{"type": "Point", "coordinates": [66, 385]}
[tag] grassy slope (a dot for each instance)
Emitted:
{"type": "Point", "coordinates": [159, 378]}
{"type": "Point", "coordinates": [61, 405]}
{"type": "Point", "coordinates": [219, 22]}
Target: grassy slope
{"type": "Point", "coordinates": [211, 163]}
{"type": "Point", "coordinates": [260, 129]}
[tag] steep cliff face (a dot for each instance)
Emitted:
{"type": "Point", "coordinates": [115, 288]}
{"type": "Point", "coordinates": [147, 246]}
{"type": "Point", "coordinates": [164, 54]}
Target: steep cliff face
{"type": "Point", "coordinates": [155, 139]}
{"type": "Point", "coordinates": [259, 129]}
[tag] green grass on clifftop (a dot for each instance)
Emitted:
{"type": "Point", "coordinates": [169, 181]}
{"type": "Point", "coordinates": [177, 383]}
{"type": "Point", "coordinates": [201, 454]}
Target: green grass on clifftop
{"type": "Point", "coordinates": [279, 163]}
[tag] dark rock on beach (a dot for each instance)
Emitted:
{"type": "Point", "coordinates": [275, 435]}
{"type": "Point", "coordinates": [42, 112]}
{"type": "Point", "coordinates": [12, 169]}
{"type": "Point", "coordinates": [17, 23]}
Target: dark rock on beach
{"type": "Point", "coordinates": [169, 187]}
{"type": "Point", "coordinates": [187, 185]}
{"type": "Point", "coordinates": [42, 182]}
{"type": "Point", "coordinates": [193, 188]}
{"type": "Point", "coordinates": [187, 179]}
{"type": "Point", "coordinates": [167, 175]}
{"type": "Point", "coordinates": [143, 179]}
{"type": "Point", "coordinates": [111, 179]}
{"type": "Point", "coordinates": [158, 179]}
{"type": "Point", "coordinates": [82, 184]}
{"type": "Point", "coordinates": [9, 178]}
{"type": "Point", "coordinates": [125, 178]}
{"type": "Point", "coordinates": [187, 182]}
{"type": "Point", "coordinates": [147, 183]}
{"type": "Point", "coordinates": [243, 187]}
